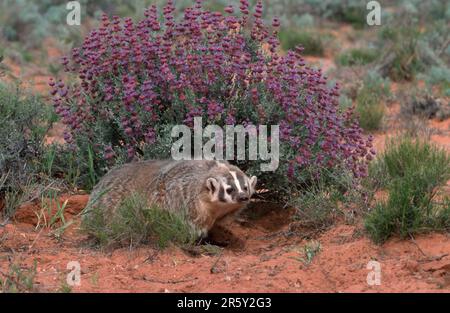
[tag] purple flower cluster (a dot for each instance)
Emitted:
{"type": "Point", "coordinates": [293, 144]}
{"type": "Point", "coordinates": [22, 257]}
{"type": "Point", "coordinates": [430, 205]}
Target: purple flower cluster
{"type": "Point", "coordinates": [139, 75]}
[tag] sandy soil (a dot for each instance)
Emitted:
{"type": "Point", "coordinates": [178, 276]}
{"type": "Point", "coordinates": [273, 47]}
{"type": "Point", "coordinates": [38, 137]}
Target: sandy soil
{"type": "Point", "coordinates": [261, 255]}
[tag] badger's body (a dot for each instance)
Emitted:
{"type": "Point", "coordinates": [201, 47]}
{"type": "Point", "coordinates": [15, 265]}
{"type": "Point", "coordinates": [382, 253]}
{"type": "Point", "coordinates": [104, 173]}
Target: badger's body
{"type": "Point", "coordinates": [208, 190]}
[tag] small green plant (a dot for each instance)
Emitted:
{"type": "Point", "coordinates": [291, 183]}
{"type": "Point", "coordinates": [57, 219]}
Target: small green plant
{"type": "Point", "coordinates": [405, 156]}
{"type": "Point", "coordinates": [380, 223]}
{"type": "Point", "coordinates": [2, 66]}
{"type": "Point", "coordinates": [18, 279]}
{"type": "Point", "coordinates": [65, 288]}
{"type": "Point", "coordinates": [412, 172]}
{"type": "Point", "coordinates": [29, 190]}
{"type": "Point", "coordinates": [312, 43]}
{"type": "Point", "coordinates": [348, 11]}
{"type": "Point", "coordinates": [47, 218]}
{"type": "Point", "coordinates": [76, 168]}
{"type": "Point", "coordinates": [210, 249]}
{"type": "Point", "coordinates": [345, 102]}
{"type": "Point", "coordinates": [370, 115]}
{"type": "Point", "coordinates": [411, 208]}
{"type": "Point", "coordinates": [29, 23]}
{"type": "Point", "coordinates": [424, 105]}
{"type": "Point", "coordinates": [369, 101]}
{"type": "Point", "coordinates": [48, 160]}
{"type": "Point", "coordinates": [317, 208]}
{"type": "Point", "coordinates": [439, 76]}
{"type": "Point", "coordinates": [320, 202]}
{"type": "Point", "coordinates": [303, 20]}
{"type": "Point", "coordinates": [24, 121]}
{"type": "Point", "coordinates": [357, 56]}
{"type": "Point", "coordinates": [402, 59]}
{"type": "Point", "coordinates": [374, 86]}
{"type": "Point", "coordinates": [354, 15]}
{"type": "Point", "coordinates": [308, 252]}
{"type": "Point", "coordinates": [442, 218]}
{"type": "Point", "coordinates": [134, 222]}
{"type": "Point", "coordinates": [94, 279]}
{"type": "Point", "coordinates": [91, 169]}
{"type": "Point", "coordinates": [414, 42]}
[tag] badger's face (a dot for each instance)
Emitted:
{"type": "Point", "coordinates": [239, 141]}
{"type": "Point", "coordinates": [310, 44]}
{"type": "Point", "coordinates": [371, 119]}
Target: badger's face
{"type": "Point", "coordinates": [231, 187]}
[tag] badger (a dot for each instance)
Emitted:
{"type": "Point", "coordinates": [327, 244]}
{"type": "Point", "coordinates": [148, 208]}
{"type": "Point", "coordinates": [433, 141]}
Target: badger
{"type": "Point", "coordinates": [207, 189]}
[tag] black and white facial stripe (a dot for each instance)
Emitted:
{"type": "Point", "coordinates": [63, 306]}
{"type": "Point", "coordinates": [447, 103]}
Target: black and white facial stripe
{"type": "Point", "coordinates": [232, 187]}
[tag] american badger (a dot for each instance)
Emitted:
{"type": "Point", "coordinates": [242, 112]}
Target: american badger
{"type": "Point", "coordinates": [207, 189]}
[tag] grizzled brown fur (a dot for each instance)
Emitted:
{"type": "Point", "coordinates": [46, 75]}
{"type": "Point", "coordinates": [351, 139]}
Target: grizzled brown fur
{"type": "Point", "coordinates": [208, 190]}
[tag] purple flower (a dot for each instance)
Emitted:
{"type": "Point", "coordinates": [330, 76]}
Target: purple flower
{"type": "Point", "coordinates": [137, 76]}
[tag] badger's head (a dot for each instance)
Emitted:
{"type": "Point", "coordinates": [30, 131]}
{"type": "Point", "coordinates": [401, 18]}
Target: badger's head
{"type": "Point", "coordinates": [229, 188]}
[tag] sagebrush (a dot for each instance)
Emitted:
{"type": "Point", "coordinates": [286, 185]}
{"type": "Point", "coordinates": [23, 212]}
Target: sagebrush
{"type": "Point", "coordinates": [24, 121]}
{"type": "Point", "coordinates": [412, 171]}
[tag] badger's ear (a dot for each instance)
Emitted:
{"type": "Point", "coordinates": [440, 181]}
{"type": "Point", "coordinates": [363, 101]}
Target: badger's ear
{"type": "Point", "coordinates": [253, 181]}
{"type": "Point", "coordinates": [212, 184]}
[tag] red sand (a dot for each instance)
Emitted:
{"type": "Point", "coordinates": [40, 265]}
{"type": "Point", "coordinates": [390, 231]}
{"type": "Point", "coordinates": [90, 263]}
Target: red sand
{"type": "Point", "coordinates": [259, 258]}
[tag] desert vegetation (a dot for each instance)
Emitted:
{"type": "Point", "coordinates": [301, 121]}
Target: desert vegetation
{"type": "Point", "coordinates": [139, 223]}
{"type": "Point", "coordinates": [363, 114]}
{"type": "Point", "coordinates": [411, 171]}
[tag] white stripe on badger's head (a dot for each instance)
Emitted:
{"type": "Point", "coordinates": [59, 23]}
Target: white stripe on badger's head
{"type": "Point", "coordinates": [236, 181]}
{"type": "Point", "coordinates": [230, 185]}
{"type": "Point", "coordinates": [237, 186]}
{"type": "Point", "coordinates": [244, 184]}
{"type": "Point", "coordinates": [251, 184]}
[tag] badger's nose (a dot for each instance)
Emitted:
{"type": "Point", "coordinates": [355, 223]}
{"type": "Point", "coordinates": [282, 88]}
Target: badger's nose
{"type": "Point", "coordinates": [242, 197]}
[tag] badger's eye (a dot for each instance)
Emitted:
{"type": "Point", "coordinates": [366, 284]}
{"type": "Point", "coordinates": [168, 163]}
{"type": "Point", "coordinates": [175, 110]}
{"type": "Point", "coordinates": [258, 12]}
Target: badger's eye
{"type": "Point", "coordinates": [229, 190]}
{"type": "Point", "coordinates": [245, 188]}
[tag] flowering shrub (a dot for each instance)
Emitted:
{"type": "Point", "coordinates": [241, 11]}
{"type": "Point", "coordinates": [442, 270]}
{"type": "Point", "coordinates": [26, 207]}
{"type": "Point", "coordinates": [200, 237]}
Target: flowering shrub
{"type": "Point", "coordinates": [138, 79]}
{"type": "Point", "coordinates": [24, 121]}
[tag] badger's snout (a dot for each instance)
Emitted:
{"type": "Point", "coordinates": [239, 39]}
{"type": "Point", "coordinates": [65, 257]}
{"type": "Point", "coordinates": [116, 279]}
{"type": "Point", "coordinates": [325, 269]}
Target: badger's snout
{"type": "Point", "coordinates": [242, 197]}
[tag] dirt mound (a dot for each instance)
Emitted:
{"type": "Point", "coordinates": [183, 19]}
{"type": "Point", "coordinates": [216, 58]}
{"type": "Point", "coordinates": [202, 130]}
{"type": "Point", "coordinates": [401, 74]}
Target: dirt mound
{"type": "Point", "coordinates": [32, 213]}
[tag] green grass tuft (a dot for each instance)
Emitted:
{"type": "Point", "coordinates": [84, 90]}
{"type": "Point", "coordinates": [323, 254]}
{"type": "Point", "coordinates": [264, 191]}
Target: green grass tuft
{"type": "Point", "coordinates": [18, 279]}
{"type": "Point", "coordinates": [405, 156]}
{"type": "Point", "coordinates": [412, 172]}
{"type": "Point", "coordinates": [369, 101]}
{"type": "Point", "coordinates": [370, 115]}
{"type": "Point", "coordinates": [312, 43]}
{"type": "Point", "coordinates": [24, 121]}
{"type": "Point", "coordinates": [321, 201]}
{"type": "Point", "coordinates": [356, 56]}
{"type": "Point", "coordinates": [136, 223]}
